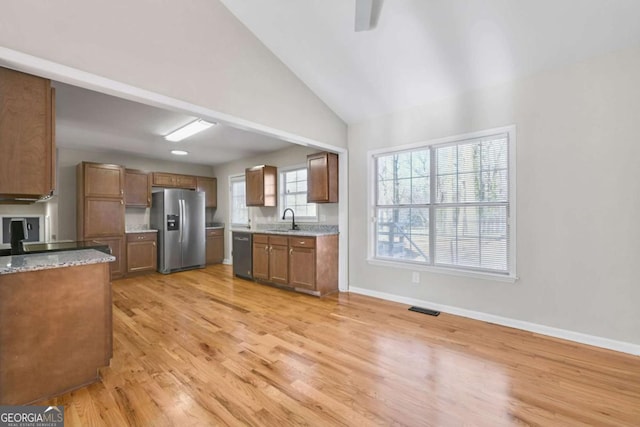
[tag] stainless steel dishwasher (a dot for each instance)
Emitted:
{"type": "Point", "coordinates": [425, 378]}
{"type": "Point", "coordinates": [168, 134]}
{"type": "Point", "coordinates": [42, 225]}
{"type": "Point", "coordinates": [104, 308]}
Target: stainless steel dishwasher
{"type": "Point", "coordinates": [242, 253]}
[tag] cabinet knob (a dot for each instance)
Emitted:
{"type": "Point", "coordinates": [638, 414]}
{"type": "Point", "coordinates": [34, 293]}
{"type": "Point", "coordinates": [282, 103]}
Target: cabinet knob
{"type": "Point", "coordinates": [121, 202]}
{"type": "Point", "coordinates": [290, 251]}
{"type": "Point", "coordinates": [266, 248]}
{"type": "Point", "coordinates": [270, 248]}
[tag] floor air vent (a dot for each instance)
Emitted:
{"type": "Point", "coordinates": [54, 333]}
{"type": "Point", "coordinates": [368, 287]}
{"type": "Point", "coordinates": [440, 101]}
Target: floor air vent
{"type": "Point", "coordinates": [424, 311]}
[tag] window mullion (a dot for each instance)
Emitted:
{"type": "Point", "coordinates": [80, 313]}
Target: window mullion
{"type": "Point", "coordinates": [432, 211]}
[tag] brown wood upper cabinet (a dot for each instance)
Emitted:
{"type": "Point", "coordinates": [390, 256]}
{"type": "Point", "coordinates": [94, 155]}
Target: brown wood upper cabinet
{"type": "Point", "coordinates": [210, 188]}
{"type": "Point", "coordinates": [322, 178]}
{"type": "Point", "coordinates": [137, 188]}
{"type": "Point", "coordinates": [262, 186]}
{"type": "Point", "coordinates": [101, 180]}
{"type": "Point", "coordinates": [172, 180]}
{"type": "Point", "coordinates": [27, 140]}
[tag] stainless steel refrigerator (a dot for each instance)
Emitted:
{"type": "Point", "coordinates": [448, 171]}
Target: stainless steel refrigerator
{"type": "Point", "coordinates": [179, 217]}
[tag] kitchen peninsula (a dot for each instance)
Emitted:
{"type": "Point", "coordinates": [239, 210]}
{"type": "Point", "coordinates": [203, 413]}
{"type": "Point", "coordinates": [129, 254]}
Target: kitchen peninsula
{"type": "Point", "coordinates": [55, 312]}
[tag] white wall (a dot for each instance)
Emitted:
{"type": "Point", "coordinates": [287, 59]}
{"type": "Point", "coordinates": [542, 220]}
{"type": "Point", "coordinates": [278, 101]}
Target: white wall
{"type": "Point", "coordinates": [195, 51]}
{"type": "Point", "coordinates": [578, 197]}
{"type": "Point", "coordinates": [64, 219]}
{"type": "Point", "coordinates": [290, 156]}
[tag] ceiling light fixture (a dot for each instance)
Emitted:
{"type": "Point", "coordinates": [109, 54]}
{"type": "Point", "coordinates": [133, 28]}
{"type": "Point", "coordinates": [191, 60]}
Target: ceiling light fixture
{"type": "Point", "coordinates": [364, 11]}
{"type": "Point", "coordinates": [179, 152]}
{"type": "Point", "coordinates": [188, 130]}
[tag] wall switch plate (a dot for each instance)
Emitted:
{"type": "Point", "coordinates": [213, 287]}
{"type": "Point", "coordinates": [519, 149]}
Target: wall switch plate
{"type": "Point", "coordinates": [415, 277]}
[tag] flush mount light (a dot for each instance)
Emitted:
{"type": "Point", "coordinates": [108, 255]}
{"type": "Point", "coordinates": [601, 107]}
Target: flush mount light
{"type": "Point", "coordinates": [179, 152]}
{"type": "Point", "coordinates": [188, 130]}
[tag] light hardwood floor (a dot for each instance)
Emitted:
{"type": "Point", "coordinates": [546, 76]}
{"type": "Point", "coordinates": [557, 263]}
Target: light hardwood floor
{"type": "Point", "coordinates": [204, 348]}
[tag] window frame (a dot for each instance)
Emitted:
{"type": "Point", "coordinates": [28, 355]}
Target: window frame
{"type": "Point", "coordinates": [232, 179]}
{"type": "Point", "coordinates": [372, 258]}
{"type": "Point", "coordinates": [281, 193]}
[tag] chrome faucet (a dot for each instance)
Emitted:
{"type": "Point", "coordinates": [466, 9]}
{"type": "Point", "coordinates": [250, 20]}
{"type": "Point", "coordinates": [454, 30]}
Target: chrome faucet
{"type": "Point", "coordinates": [293, 218]}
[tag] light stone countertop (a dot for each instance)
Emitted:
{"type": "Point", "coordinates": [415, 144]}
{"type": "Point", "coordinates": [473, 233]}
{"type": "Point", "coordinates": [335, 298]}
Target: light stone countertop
{"type": "Point", "coordinates": [43, 261]}
{"type": "Point", "coordinates": [148, 230]}
{"type": "Point", "coordinates": [310, 233]}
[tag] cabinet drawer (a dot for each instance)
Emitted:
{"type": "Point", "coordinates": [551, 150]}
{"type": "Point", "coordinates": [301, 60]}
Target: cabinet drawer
{"type": "Point", "coordinates": [278, 240]}
{"type": "Point", "coordinates": [215, 232]}
{"type": "Point", "coordinates": [141, 237]}
{"type": "Point", "coordinates": [260, 238]}
{"type": "Point", "coordinates": [302, 242]}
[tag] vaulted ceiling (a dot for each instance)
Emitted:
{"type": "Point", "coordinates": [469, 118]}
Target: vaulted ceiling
{"type": "Point", "coordinates": [417, 52]}
{"type": "Point", "coordinates": [424, 50]}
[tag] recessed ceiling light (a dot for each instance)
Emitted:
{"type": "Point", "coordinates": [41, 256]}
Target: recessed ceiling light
{"type": "Point", "coordinates": [188, 130]}
{"type": "Point", "coordinates": [179, 152]}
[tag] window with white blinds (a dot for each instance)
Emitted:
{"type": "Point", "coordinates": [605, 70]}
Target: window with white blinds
{"type": "Point", "coordinates": [446, 204]}
{"type": "Point", "coordinates": [239, 211]}
{"type": "Point", "coordinates": [293, 194]}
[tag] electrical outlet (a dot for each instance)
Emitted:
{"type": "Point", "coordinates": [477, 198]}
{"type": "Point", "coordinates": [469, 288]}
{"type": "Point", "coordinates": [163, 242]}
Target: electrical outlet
{"type": "Point", "coordinates": [415, 277]}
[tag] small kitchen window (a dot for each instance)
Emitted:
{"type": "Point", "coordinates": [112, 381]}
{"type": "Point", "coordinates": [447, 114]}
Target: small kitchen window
{"type": "Point", "coordinates": [447, 204]}
{"type": "Point", "coordinates": [293, 194]}
{"type": "Point", "coordinates": [237, 193]}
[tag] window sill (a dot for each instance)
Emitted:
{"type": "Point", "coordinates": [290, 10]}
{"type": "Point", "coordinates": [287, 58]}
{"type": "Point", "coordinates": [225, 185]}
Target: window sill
{"type": "Point", "coordinates": [441, 270]}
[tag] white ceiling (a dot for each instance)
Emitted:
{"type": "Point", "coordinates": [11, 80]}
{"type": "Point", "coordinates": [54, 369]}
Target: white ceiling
{"type": "Point", "coordinates": [91, 120]}
{"type": "Point", "coordinates": [419, 51]}
{"type": "Point", "coordinates": [423, 50]}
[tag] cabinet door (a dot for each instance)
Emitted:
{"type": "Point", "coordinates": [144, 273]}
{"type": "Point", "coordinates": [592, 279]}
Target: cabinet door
{"type": "Point", "coordinates": [254, 179]}
{"type": "Point", "coordinates": [141, 256]}
{"type": "Point", "coordinates": [322, 178]}
{"type": "Point", "coordinates": [116, 244]}
{"type": "Point", "coordinates": [210, 188]}
{"type": "Point", "coordinates": [103, 180]}
{"type": "Point", "coordinates": [279, 264]}
{"type": "Point", "coordinates": [302, 268]}
{"type": "Point", "coordinates": [27, 143]}
{"type": "Point", "coordinates": [103, 217]}
{"type": "Point", "coordinates": [215, 246]}
{"type": "Point", "coordinates": [186, 181]}
{"type": "Point", "coordinates": [137, 191]}
{"type": "Point", "coordinates": [261, 261]}
{"type": "Point", "coordinates": [164, 179]}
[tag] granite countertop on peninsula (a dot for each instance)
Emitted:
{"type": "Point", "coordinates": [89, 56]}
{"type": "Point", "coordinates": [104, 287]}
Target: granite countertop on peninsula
{"type": "Point", "coordinates": [43, 261]}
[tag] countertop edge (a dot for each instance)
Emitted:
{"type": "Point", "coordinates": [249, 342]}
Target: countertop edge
{"type": "Point", "coordinates": [45, 261]}
{"type": "Point", "coordinates": [297, 233]}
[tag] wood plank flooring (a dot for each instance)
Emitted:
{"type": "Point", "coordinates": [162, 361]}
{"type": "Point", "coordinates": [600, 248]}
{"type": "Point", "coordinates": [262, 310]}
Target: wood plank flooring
{"type": "Point", "coordinates": [203, 348]}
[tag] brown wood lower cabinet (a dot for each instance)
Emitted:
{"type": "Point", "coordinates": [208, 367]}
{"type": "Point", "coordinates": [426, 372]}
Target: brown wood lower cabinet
{"type": "Point", "coordinates": [270, 258]}
{"type": "Point", "coordinates": [215, 246]}
{"type": "Point", "coordinates": [116, 244]}
{"type": "Point", "coordinates": [142, 252]}
{"type": "Point", "coordinates": [56, 331]}
{"type": "Point", "coordinates": [306, 263]}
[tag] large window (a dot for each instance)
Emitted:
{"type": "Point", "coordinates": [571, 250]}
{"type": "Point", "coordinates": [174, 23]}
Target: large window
{"type": "Point", "coordinates": [446, 204]}
{"type": "Point", "coordinates": [239, 211]}
{"type": "Point", "coordinates": [293, 194]}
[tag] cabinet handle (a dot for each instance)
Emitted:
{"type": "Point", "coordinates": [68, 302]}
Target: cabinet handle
{"type": "Point", "coordinates": [290, 251]}
{"type": "Point", "coordinates": [121, 192]}
{"type": "Point", "coordinates": [270, 248]}
{"type": "Point", "coordinates": [121, 202]}
{"type": "Point", "coordinates": [154, 243]}
{"type": "Point", "coordinates": [266, 248]}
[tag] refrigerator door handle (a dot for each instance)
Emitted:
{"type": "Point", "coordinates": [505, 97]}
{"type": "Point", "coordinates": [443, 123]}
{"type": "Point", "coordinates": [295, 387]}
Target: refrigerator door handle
{"type": "Point", "coordinates": [181, 203]}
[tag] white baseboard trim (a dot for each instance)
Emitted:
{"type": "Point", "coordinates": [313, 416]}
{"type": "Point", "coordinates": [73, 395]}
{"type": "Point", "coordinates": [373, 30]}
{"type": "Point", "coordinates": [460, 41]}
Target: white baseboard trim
{"type": "Point", "coordinates": [579, 337]}
{"type": "Point", "coordinates": [226, 261]}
